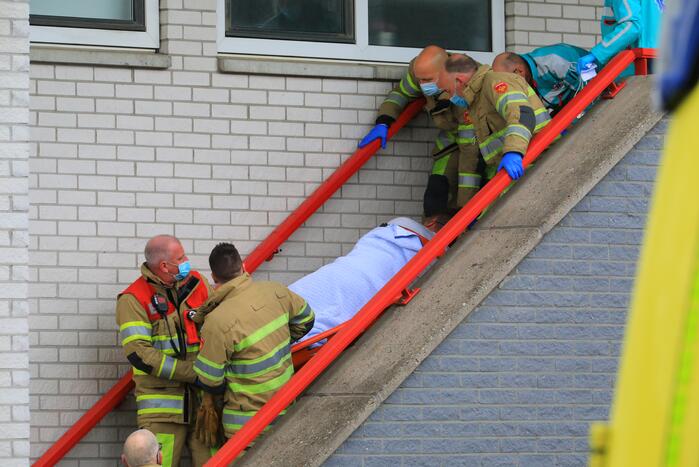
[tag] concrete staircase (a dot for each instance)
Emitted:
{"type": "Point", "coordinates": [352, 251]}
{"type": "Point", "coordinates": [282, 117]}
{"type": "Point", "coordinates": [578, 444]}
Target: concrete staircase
{"type": "Point", "coordinates": [367, 373]}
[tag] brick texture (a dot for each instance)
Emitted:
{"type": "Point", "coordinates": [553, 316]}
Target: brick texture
{"type": "Point", "coordinates": [531, 24]}
{"type": "Point", "coordinates": [519, 381]}
{"type": "Point", "coordinates": [14, 236]}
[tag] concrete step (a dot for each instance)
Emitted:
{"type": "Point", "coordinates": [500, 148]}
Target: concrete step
{"type": "Point", "coordinates": [368, 372]}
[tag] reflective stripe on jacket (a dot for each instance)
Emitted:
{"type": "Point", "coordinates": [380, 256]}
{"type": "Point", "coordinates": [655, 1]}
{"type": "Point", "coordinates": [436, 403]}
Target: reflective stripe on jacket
{"type": "Point", "coordinates": [161, 357]}
{"type": "Point", "coordinates": [506, 113]}
{"type": "Point", "coordinates": [443, 113]}
{"type": "Point", "coordinates": [246, 339]}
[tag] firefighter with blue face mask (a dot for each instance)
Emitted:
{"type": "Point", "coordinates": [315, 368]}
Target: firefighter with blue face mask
{"type": "Point", "coordinates": [455, 176]}
{"type": "Point", "coordinates": [506, 111]}
{"type": "Point", "coordinates": [161, 343]}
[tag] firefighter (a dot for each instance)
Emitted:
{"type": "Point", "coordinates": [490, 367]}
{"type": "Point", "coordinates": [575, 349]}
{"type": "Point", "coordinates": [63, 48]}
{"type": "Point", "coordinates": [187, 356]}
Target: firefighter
{"type": "Point", "coordinates": [625, 23]}
{"type": "Point", "coordinates": [455, 176]}
{"type": "Point", "coordinates": [505, 110]}
{"type": "Point", "coordinates": [246, 337]}
{"type": "Point", "coordinates": [551, 71]}
{"type": "Point", "coordinates": [161, 343]}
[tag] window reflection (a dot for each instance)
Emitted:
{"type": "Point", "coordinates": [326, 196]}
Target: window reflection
{"type": "Point", "coordinates": [452, 24]}
{"type": "Point", "coordinates": [328, 20]}
{"type": "Point", "coordinates": [99, 9]}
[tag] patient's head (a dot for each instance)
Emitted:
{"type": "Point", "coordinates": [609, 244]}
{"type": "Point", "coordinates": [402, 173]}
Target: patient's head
{"type": "Point", "coordinates": [225, 263]}
{"type": "Point", "coordinates": [436, 222]}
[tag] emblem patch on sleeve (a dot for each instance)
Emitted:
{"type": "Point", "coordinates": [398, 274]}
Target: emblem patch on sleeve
{"type": "Point", "coordinates": [500, 87]}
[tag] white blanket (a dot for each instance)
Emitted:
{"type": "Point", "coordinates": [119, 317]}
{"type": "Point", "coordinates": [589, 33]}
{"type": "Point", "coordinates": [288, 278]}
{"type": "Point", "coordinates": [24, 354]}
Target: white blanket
{"type": "Point", "coordinates": [338, 290]}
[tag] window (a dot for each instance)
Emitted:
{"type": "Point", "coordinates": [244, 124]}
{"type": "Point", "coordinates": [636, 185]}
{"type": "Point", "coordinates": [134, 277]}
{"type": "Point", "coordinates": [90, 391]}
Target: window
{"type": "Point", "coordinates": [307, 20]}
{"type": "Point", "coordinates": [119, 23]}
{"type": "Point", "coordinates": [371, 30]}
{"type": "Point", "coordinates": [455, 24]}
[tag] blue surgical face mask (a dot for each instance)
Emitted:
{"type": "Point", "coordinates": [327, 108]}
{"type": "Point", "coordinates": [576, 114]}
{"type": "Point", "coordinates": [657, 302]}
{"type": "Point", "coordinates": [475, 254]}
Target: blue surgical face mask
{"type": "Point", "coordinates": [430, 89]}
{"type": "Point", "coordinates": [458, 100]}
{"type": "Point", "coordinates": [183, 270]}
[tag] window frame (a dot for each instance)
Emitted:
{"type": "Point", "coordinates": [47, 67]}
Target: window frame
{"type": "Point", "coordinates": [143, 32]}
{"type": "Point", "coordinates": [359, 51]}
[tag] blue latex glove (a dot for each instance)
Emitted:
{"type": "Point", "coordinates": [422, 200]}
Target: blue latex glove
{"type": "Point", "coordinates": [512, 163]}
{"type": "Point", "coordinates": [584, 61]}
{"type": "Point", "coordinates": [379, 131]}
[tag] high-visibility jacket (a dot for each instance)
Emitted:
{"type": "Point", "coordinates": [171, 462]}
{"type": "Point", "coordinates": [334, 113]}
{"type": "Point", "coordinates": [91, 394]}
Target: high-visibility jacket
{"type": "Point", "coordinates": [246, 338]}
{"type": "Point", "coordinates": [628, 23]}
{"type": "Point", "coordinates": [161, 347]}
{"type": "Point", "coordinates": [505, 111]}
{"type": "Point", "coordinates": [554, 72]}
{"type": "Point", "coordinates": [445, 115]}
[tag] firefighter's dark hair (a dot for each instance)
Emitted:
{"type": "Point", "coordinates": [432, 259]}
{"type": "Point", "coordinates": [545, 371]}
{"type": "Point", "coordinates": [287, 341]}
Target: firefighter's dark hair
{"type": "Point", "coordinates": [225, 262]}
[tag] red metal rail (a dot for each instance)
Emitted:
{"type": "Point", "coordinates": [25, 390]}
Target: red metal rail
{"type": "Point", "coordinates": [270, 245]}
{"type": "Point", "coordinates": [433, 249]}
{"type": "Point", "coordinates": [264, 251]}
{"type": "Point", "coordinates": [92, 417]}
{"type": "Point", "coordinates": [642, 57]}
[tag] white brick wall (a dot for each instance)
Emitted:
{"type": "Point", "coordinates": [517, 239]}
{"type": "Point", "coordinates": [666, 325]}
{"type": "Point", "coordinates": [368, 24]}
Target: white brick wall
{"type": "Point", "coordinates": [531, 24]}
{"type": "Point", "coordinates": [14, 236]}
{"type": "Point", "coordinates": [122, 154]}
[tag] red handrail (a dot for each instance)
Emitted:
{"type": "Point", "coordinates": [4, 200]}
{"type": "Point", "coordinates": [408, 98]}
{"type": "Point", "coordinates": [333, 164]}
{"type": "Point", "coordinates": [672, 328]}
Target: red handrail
{"type": "Point", "coordinates": [264, 251]}
{"type": "Point", "coordinates": [433, 249]}
{"type": "Point", "coordinates": [642, 56]}
{"type": "Point", "coordinates": [268, 247]}
{"type": "Point", "coordinates": [92, 417]}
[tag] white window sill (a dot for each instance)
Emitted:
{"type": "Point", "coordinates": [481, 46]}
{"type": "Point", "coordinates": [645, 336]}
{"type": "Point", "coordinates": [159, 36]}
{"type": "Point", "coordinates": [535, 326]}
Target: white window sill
{"type": "Point", "coordinates": [129, 58]}
{"type": "Point", "coordinates": [285, 66]}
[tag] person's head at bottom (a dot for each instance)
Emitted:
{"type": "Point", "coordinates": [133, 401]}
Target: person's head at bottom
{"type": "Point", "coordinates": [141, 448]}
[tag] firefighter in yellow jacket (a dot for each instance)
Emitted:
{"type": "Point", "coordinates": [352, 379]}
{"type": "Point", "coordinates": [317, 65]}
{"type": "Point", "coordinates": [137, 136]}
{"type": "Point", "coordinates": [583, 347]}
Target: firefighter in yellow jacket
{"type": "Point", "coordinates": [504, 109]}
{"type": "Point", "coordinates": [455, 174]}
{"type": "Point", "coordinates": [161, 343]}
{"type": "Point", "coordinates": [246, 337]}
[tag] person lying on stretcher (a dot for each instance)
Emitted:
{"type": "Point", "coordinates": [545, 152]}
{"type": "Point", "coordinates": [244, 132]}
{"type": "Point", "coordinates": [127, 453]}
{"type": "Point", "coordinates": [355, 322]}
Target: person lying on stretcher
{"type": "Point", "coordinates": [338, 290]}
